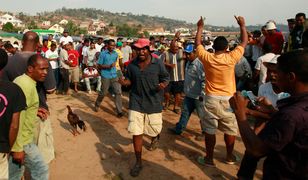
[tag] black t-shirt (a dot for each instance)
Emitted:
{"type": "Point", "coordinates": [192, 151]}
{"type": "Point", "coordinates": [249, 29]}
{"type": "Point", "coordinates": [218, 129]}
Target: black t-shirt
{"type": "Point", "coordinates": [12, 100]}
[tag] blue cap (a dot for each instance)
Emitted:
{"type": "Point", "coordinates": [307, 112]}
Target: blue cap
{"type": "Point", "coordinates": [189, 48]}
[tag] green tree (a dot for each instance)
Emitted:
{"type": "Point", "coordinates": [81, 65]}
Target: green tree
{"type": "Point", "coordinates": [32, 25]}
{"type": "Point", "coordinates": [71, 27]}
{"type": "Point", "coordinates": [127, 31]}
{"type": "Point", "coordinates": [82, 31]}
{"type": "Point", "coordinates": [100, 32]}
{"type": "Point", "coordinates": [146, 34]}
{"type": "Point", "coordinates": [8, 27]}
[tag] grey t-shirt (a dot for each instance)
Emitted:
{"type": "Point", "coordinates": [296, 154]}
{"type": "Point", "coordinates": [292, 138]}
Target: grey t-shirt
{"type": "Point", "coordinates": [63, 57]}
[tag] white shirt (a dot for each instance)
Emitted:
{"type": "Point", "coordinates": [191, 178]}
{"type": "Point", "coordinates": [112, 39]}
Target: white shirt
{"type": "Point", "coordinates": [266, 90]}
{"type": "Point", "coordinates": [84, 53]}
{"type": "Point", "coordinates": [126, 51]}
{"type": "Point", "coordinates": [91, 56]}
{"type": "Point", "coordinates": [66, 39]}
{"type": "Point", "coordinates": [260, 66]}
{"type": "Point", "coordinates": [51, 55]}
{"type": "Point", "coordinates": [99, 47]}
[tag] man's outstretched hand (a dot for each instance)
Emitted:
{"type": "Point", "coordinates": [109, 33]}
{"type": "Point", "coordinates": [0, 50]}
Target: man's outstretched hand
{"type": "Point", "coordinates": [200, 23]}
{"type": "Point", "coordinates": [240, 20]}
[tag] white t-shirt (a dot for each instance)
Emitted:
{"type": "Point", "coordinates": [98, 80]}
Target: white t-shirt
{"type": "Point", "coordinates": [51, 55]}
{"type": "Point", "coordinates": [66, 39]}
{"type": "Point", "coordinates": [99, 47]}
{"type": "Point", "coordinates": [126, 51]}
{"type": "Point", "coordinates": [260, 66]}
{"type": "Point", "coordinates": [91, 56]}
{"type": "Point", "coordinates": [266, 90]}
{"type": "Point", "coordinates": [84, 53]}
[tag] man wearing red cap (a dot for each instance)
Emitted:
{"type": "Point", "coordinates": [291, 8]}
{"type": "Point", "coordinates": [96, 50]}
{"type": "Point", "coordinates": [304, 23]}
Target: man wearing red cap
{"type": "Point", "coordinates": [148, 77]}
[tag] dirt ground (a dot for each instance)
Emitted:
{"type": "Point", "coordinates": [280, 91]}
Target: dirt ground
{"type": "Point", "coordinates": [105, 150]}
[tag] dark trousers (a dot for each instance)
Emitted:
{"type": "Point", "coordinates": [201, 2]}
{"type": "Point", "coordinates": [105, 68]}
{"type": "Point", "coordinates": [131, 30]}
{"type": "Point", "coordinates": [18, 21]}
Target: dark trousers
{"type": "Point", "coordinates": [56, 73]}
{"type": "Point", "coordinates": [64, 80]}
{"type": "Point", "coordinates": [248, 167]}
{"type": "Point", "coordinates": [116, 89]}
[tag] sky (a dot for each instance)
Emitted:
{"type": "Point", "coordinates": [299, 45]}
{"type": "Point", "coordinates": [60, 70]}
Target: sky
{"type": "Point", "coordinates": [216, 12]}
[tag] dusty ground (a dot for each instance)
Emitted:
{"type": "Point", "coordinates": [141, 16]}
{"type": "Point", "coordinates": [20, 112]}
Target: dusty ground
{"type": "Point", "coordinates": [105, 150]}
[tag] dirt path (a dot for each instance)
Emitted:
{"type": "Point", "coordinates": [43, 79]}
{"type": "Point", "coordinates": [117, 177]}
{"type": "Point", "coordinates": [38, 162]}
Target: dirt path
{"type": "Point", "coordinates": [105, 150]}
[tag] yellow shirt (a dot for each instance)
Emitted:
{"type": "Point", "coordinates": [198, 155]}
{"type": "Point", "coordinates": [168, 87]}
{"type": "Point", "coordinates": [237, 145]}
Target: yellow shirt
{"type": "Point", "coordinates": [120, 57]}
{"type": "Point", "coordinates": [219, 70]}
{"type": "Point", "coordinates": [49, 44]}
{"type": "Point", "coordinates": [28, 117]}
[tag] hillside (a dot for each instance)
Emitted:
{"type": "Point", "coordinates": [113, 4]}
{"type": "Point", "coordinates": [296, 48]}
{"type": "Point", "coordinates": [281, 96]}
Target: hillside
{"type": "Point", "coordinates": [146, 21]}
{"type": "Point", "coordinates": [116, 20]}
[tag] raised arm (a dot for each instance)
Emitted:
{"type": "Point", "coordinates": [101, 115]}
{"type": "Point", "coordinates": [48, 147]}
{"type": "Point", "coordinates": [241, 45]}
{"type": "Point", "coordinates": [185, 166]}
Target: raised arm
{"type": "Point", "coordinates": [200, 25]}
{"type": "Point", "coordinates": [244, 36]}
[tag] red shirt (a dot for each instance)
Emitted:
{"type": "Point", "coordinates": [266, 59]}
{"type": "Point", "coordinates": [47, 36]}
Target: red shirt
{"type": "Point", "coordinates": [44, 49]}
{"type": "Point", "coordinates": [276, 41]}
{"type": "Point", "coordinates": [73, 56]}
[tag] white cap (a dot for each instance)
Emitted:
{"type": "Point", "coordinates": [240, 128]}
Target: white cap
{"type": "Point", "coordinates": [272, 61]}
{"type": "Point", "coordinates": [270, 26]}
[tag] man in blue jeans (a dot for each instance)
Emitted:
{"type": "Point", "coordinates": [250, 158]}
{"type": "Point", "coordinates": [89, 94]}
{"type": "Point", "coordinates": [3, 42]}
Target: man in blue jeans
{"type": "Point", "coordinates": [194, 85]}
{"type": "Point", "coordinates": [25, 152]}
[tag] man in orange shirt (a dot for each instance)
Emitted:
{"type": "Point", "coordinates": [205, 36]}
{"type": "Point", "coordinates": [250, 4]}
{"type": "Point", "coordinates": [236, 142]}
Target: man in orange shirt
{"type": "Point", "coordinates": [220, 85]}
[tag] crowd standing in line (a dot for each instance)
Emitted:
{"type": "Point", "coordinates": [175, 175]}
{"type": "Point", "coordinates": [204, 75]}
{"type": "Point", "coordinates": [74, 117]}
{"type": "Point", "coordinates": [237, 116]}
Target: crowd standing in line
{"type": "Point", "coordinates": [158, 72]}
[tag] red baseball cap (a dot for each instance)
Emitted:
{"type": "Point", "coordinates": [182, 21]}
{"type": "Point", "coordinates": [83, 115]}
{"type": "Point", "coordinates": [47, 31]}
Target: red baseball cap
{"type": "Point", "coordinates": [143, 42]}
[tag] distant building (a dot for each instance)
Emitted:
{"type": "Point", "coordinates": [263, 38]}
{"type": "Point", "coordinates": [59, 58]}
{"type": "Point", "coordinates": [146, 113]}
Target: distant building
{"type": "Point", "coordinates": [92, 31]}
{"type": "Point", "coordinates": [184, 31]}
{"type": "Point", "coordinates": [12, 19]}
{"type": "Point", "coordinates": [159, 32]}
{"type": "Point", "coordinates": [85, 25]}
{"type": "Point", "coordinates": [63, 22]}
{"type": "Point", "coordinates": [46, 23]}
{"type": "Point", "coordinates": [98, 25]}
{"type": "Point", "coordinates": [57, 28]}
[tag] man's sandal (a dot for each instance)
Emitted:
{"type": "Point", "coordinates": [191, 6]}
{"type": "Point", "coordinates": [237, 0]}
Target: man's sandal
{"type": "Point", "coordinates": [205, 162]}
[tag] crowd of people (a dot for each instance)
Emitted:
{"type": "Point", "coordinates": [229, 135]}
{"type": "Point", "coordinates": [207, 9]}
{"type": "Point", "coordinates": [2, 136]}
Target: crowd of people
{"type": "Point", "coordinates": [261, 76]}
